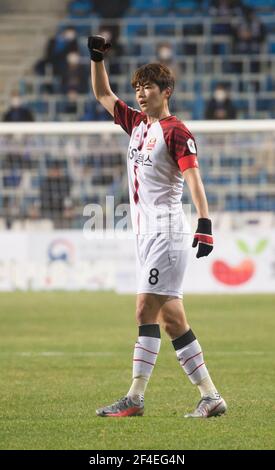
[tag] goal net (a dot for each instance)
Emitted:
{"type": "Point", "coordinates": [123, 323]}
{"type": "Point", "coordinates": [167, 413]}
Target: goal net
{"type": "Point", "coordinates": [52, 173]}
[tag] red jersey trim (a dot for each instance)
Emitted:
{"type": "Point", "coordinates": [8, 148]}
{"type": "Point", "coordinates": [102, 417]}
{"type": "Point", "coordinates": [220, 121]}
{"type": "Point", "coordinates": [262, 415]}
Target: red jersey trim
{"type": "Point", "coordinates": [189, 161]}
{"type": "Point", "coordinates": [177, 138]}
{"type": "Point", "coordinates": [127, 117]}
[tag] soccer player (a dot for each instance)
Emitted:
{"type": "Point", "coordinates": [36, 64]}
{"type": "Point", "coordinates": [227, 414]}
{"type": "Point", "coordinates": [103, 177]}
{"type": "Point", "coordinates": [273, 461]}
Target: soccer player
{"type": "Point", "coordinates": [162, 154]}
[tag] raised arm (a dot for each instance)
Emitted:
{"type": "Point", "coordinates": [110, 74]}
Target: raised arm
{"type": "Point", "coordinates": [100, 81]}
{"type": "Point", "coordinates": [203, 235]}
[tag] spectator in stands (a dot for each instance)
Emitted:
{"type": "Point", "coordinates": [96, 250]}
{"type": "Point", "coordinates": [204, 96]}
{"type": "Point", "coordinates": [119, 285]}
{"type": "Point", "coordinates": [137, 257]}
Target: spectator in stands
{"type": "Point", "coordinates": [220, 106]}
{"type": "Point", "coordinates": [32, 210]}
{"type": "Point", "coordinates": [249, 34]}
{"type": "Point", "coordinates": [54, 192]}
{"type": "Point", "coordinates": [11, 210]}
{"type": "Point", "coordinates": [226, 7]}
{"type": "Point", "coordinates": [165, 55]}
{"type": "Point", "coordinates": [111, 35]}
{"type": "Point", "coordinates": [17, 112]}
{"type": "Point", "coordinates": [89, 111]}
{"type": "Point", "coordinates": [74, 75]}
{"type": "Point", "coordinates": [69, 105]}
{"type": "Point", "coordinates": [57, 50]}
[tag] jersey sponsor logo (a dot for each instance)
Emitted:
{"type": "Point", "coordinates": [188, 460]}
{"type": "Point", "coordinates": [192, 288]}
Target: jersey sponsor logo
{"type": "Point", "coordinates": [147, 161]}
{"type": "Point", "coordinates": [132, 153]}
{"type": "Point", "coordinates": [139, 158]}
{"type": "Point", "coordinates": [151, 143]}
{"type": "Point", "coordinates": [191, 146]}
{"type": "Point", "coordinates": [143, 160]}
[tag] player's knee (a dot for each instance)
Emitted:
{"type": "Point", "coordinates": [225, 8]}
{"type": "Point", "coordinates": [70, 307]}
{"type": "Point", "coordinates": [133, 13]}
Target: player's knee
{"type": "Point", "coordinates": [145, 313]}
{"type": "Point", "coordinates": [173, 325]}
{"type": "Point", "coordinates": [141, 315]}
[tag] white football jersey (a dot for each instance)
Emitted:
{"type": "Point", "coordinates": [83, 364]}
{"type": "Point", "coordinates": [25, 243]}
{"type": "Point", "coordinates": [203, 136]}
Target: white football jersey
{"type": "Point", "coordinates": [158, 153]}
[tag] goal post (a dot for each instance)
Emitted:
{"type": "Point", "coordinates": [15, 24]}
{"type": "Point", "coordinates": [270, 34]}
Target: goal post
{"type": "Point", "coordinates": [94, 127]}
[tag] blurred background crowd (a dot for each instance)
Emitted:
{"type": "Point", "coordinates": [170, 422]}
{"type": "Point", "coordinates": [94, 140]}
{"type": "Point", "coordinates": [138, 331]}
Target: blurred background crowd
{"type": "Point", "coordinates": [222, 53]}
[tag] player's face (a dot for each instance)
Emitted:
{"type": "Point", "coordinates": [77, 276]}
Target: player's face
{"type": "Point", "coordinates": [150, 99]}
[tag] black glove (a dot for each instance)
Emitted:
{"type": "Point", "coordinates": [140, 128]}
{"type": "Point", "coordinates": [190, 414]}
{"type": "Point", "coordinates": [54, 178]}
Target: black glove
{"type": "Point", "coordinates": [203, 237]}
{"type": "Point", "coordinates": [97, 46]}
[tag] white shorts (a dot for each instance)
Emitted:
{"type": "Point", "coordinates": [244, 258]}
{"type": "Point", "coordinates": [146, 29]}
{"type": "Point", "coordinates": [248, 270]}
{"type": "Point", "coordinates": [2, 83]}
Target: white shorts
{"type": "Point", "coordinates": [161, 263]}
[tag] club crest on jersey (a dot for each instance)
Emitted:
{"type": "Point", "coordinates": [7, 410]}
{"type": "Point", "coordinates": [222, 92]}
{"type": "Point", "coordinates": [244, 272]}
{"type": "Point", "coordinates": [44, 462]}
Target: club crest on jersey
{"type": "Point", "coordinates": [151, 143]}
{"type": "Point", "coordinates": [137, 136]}
{"type": "Point", "coordinates": [191, 146]}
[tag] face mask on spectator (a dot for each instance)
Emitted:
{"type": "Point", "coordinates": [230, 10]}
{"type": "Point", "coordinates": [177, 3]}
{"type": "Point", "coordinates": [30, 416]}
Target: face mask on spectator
{"type": "Point", "coordinates": [220, 95]}
{"type": "Point", "coordinates": [15, 102]}
{"type": "Point", "coordinates": [106, 34]}
{"type": "Point", "coordinates": [73, 58]}
{"type": "Point", "coordinates": [165, 53]}
{"type": "Point", "coordinates": [72, 95]}
{"type": "Point", "coordinates": [69, 35]}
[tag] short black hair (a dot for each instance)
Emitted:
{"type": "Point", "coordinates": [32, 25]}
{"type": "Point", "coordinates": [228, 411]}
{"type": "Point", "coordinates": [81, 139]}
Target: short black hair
{"type": "Point", "coordinates": [156, 73]}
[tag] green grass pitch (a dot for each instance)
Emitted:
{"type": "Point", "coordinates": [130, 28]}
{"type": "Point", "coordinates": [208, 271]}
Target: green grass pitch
{"type": "Point", "coordinates": [64, 354]}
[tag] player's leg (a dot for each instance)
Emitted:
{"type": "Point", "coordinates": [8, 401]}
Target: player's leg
{"type": "Point", "coordinates": [148, 343]}
{"type": "Point", "coordinates": [145, 355]}
{"type": "Point", "coordinates": [190, 357]}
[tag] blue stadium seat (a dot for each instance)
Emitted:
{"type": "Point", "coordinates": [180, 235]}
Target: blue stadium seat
{"type": "Point", "coordinates": [101, 114]}
{"type": "Point", "coordinates": [222, 28]}
{"type": "Point", "coordinates": [84, 29]}
{"type": "Point", "coordinates": [263, 104]}
{"type": "Point", "coordinates": [39, 106]}
{"type": "Point", "coordinates": [187, 5]}
{"type": "Point", "coordinates": [232, 66]}
{"type": "Point", "coordinates": [271, 47]}
{"type": "Point", "coordinates": [232, 162]}
{"type": "Point", "coordinates": [263, 202]}
{"type": "Point", "coordinates": [12, 179]}
{"type": "Point", "coordinates": [270, 26]}
{"type": "Point", "coordinates": [89, 112]}
{"type": "Point", "coordinates": [198, 107]}
{"type": "Point", "coordinates": [80, 8]}
{"type": "Point", "coordinates": [165, 29]}
{"type": "Point", "coordinates": [233, 202]}
{"type": "Point", "coordinates": [242, 106]}
{"type": "Point", "coordinates": [147, 49]}
{"type": "Point", "coordinates": [217, 48]}
{"type": "Point", "coordinates": [144, 5]}
{"type": "Point", "coordinates": [92, 199]}
{"type": "Point", "coordinates": [212, 199]}
{"type": "Point", "coordinates": [184, 105]}
{"type": "Point", "coordinates": [259, 4]}
{"type": "Point", "coordinates": [134, 28]}
{"type": "Point", "coordinates": [193, 29]}
{"type": "Point", "coordinates": [101, 179]}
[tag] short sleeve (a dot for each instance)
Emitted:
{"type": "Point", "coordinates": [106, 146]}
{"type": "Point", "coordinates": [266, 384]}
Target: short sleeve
{"type": "Point", "coordinates": [126, 117]}
{"type": "Point", "coordinates": [181, 145]}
